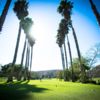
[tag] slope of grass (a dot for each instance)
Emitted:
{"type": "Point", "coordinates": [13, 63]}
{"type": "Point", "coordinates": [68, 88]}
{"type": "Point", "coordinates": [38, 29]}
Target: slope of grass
{"type": "Point", "coordinates": [49, 90]}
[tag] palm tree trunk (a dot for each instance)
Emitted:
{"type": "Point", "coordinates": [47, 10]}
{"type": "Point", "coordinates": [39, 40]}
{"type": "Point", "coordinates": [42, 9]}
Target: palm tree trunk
{"type": "Point", "coordinates": [4, 13]}
{"type": "Point", "coordinates": [63, 62]}
{"type": "Point", "coordinates": [70, 54]}
{"type": "Point", "coordinates": [23, 53]}
{"type": "Point", "coordinates": [17, 45]}
{"type": "Point", "coordinates": [28, 74]}
{"type": "Point", "coordinates": [83, 74]}
{"type": "Point", "coordinates": [66, 56]}
{"type": "Point", "coordinates": [10, 77]}
{"type": "Point", "coordinates": [22, 59]}
{"type": "Point", "coordinates": [31, 59]}
{"type": "Point", "coordinates": [26, 63]}
{"type": "Point", "coordinates": [96, 13]}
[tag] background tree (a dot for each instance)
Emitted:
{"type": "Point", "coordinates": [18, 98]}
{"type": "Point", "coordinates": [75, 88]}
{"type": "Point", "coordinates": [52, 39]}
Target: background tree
{"type": "Point", "coordinates": [76, 67]}
{"type": "Point", "coordinates": [93, 54]}
{"type": "Point", "coordinates": [59, 74]}
{"type": "Point", "coordinates": [6, 70]}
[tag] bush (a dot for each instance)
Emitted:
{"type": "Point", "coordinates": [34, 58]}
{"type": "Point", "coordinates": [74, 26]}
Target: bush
{"type": "Point", "coordinates": [98, 82]}
{"type": "Point", "coordinates": [92, 81]}
{"type": "Point", "coordinates": [84, 78]}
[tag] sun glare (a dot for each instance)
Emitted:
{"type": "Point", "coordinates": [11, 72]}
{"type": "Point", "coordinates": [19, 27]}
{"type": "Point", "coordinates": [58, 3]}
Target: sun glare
{"type": "Point", "coordinates": [39, 29]}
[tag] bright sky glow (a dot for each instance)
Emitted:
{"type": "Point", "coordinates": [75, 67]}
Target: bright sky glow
{"type": "Point", "coordinates": [46, 53]}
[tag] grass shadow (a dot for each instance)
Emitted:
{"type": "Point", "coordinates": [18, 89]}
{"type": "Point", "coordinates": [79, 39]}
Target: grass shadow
{"type": "Point", "coordinates": [19, 91]}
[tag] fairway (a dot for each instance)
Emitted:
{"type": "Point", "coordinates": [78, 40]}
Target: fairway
{"type": "Point", "coordinates": [52, 89]}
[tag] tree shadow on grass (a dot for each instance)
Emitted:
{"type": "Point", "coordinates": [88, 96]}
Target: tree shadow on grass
{"type": "Point", "coordinates": [19, 91]}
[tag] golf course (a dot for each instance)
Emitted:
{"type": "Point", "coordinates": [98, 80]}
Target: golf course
{"type": "Point", "coordinates": [48, 89]}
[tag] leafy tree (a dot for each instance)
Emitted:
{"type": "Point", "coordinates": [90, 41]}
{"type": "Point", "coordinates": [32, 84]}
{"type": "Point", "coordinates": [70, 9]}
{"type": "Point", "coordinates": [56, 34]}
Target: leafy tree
{"type": "Point", "coordinates": [93, 54]}
{"type": "Point", "coordinates": [6, 70]}
{"type": "Point", "coordinates": [59, 75]}
{"type": "Point", "coordinates": [76, 67]}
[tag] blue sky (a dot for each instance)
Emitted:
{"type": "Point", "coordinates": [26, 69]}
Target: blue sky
{"type": "Point", "coordinates": [46, 53]}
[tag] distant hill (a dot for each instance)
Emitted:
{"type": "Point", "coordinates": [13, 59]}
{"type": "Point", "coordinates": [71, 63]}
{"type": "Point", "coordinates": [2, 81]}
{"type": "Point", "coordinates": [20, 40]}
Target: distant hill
{"type": "Point", "coordinates": [44, 74]}
{"type": "Point", "coordinates": [95, 72]}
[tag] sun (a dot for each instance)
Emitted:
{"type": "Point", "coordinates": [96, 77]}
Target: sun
{"type": "Point", "coordinates": [39, 29]}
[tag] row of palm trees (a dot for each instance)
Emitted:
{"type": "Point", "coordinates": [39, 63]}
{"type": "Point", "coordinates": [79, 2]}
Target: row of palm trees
{"type": "Point", "coordinates": [65, 9]}
{"type": "Point", "coordinates": [21, 10]}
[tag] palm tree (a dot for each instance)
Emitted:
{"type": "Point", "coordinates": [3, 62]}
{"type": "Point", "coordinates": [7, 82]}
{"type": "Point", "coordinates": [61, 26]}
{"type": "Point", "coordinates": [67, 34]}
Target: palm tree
{"type": "Point", "coordinates": [26, 25]}
{"type": "Point", "coordinates": [65, 9]}
{"type": "Point", "coordinates": [59, 41]}
{"type": "Point", "coordinates": [64, 30]}
{"type": "Point", "coordinates": [64, 27]}
{"type": "Point", "coordinates": [20, 8]}
{"type": "Point", "coordinates": [95, 11]}
{"type": "Point", "coordinates": [4, 13]}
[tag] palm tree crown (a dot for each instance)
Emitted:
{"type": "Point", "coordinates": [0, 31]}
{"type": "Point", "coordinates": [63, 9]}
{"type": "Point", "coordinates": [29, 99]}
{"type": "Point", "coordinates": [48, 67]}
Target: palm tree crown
{"type": "Point", "coordinates": [65, 8]}
{"type": "Point", "coordinates": [26, 25]}
{"type": "Point", "coordinates": [20, 9]}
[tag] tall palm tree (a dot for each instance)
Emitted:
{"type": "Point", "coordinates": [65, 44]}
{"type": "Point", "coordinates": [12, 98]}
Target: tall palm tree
{"type": "Point", "coordinates": [20, 8]}
{"type": "Point", "coordinates": [95, 11]}
{"type": "Point", "coordinates": [64, 27]}
{"type": "Point", "coordinates": [65, 9]}
{"type": "Point", "coordinates": [64, 30]}
{"type": "Point", "coordinates": [26, 25]}
{"type": "Point", "coordinates": [4, 13]}
{"type": "Point", "coordinates": [59, 41]}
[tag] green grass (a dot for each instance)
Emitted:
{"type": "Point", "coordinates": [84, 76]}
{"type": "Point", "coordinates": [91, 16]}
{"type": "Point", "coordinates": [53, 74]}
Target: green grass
{"type": "Point", "coordinates": [49, 90]}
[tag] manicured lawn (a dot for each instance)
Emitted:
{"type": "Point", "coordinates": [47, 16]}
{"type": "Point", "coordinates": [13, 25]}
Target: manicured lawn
{"type": "Point", "coordinates": [49, 90]}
